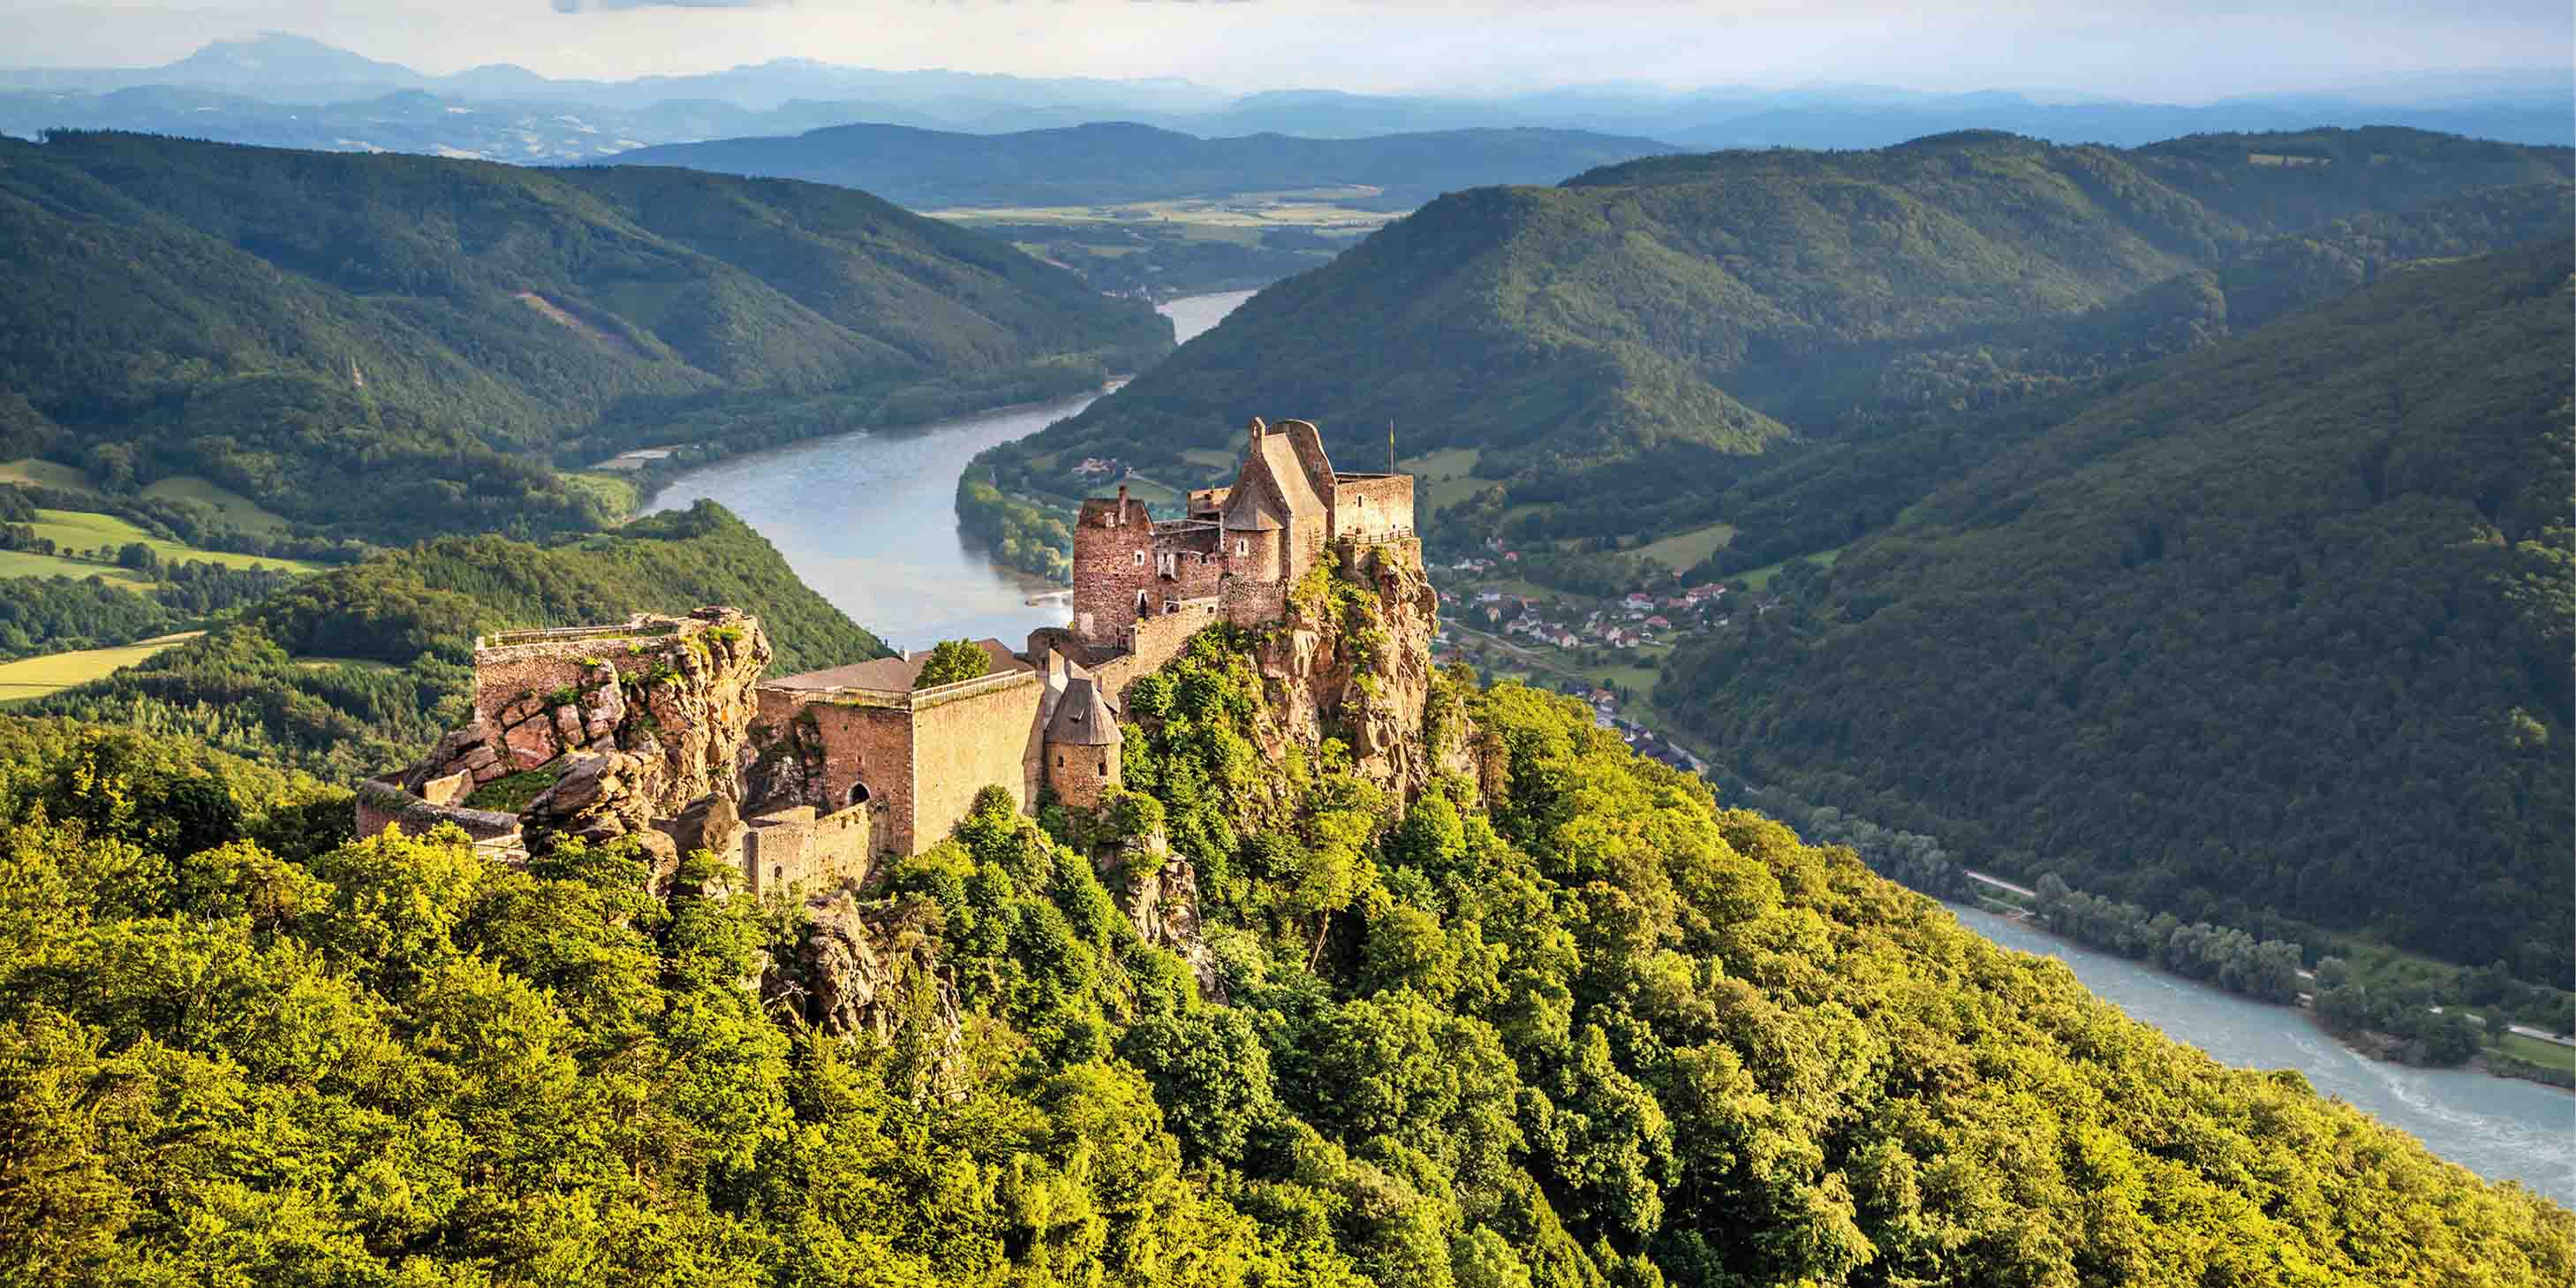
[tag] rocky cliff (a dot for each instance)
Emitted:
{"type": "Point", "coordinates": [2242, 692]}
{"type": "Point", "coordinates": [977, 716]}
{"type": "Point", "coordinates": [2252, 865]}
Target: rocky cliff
{"type": "Point", "coordinates": [618, 728]}
{"type": "Point", "coordinates": [1352, 660]}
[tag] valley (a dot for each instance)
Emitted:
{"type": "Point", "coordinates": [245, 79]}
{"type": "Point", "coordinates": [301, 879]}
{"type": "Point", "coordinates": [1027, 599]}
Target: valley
{"type": "Point", "coordinates": [1106, 670]}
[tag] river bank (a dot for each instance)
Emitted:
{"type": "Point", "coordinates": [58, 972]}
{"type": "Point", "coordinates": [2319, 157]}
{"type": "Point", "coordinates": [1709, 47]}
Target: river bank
{"type": "Point", "coordinates": [2497, 1127]}
{"type": "Point", "coordinates": [868, 517]}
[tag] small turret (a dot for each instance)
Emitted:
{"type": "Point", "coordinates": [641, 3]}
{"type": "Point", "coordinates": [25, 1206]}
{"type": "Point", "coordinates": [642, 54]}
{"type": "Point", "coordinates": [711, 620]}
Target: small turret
{"type": "Point", "coordinates": [1081, 745]}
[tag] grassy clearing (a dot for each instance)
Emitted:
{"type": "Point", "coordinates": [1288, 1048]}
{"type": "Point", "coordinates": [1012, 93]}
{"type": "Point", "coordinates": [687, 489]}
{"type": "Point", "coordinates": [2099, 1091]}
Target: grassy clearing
{"type": "Point", "coordinates": [361, 663]}
{"type": "Point", "coordinates": [1443, 478]}
{"type": "Point", "coordinates": [1447, 463]}
{"type": "Point", "coordinates": [38, 677]}
{"type": "Point", "coordinates": [20, 563]}
{"type": "Point", "coordinates": [1211, 458]}
{"type": "Point", "coordinates": [512, 793]}
{"type": "Point", "coordinates": [1761, 577]}
{"type": "Point", "coordinates": [1683, 551]}
{"type": "Point", "coordinates": [39, 473]}
{"type": "Point", "coordinates": [1153, 493]}
{"type": "Point", "coordinates": [2547, 1054]}
{"type": "Point", "coordinates": [620, 495]}
{"type": "Point", "coordinates": [86, 530]}
{"type": "Point", "coordinates": [244, 513]}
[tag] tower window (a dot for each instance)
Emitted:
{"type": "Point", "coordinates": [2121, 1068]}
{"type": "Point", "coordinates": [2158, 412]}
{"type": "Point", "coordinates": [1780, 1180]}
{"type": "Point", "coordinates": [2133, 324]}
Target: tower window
{"type": "Point", "coordinates": [1242, 545]}
{"type": "Point", "coordinates": [1140, 558]}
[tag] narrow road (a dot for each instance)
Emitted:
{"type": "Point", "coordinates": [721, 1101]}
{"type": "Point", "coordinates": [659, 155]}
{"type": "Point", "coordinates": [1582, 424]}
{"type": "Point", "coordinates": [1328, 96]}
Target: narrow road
{"type": "Point", "coordinates": [1998, 883]}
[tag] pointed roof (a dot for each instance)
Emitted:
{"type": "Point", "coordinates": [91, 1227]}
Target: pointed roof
{"type": "Point", "coordinates": [1248, 510]}
{"type": "Point", "coordinates": [1288, 474]}
{"type": "Point", "coordinates": [1082, 717]}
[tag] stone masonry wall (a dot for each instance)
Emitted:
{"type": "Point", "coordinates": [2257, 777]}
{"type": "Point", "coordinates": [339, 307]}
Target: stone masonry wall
{"type": "Point", "coordinates": [1111, 562]}
{"type": "Point", "coordinates": [794, 848]}
{"type": "Point", "coordinates": [1080, 775]}
{"type": "Point", "coordinates": [383, 803]}
{"type": "Point", "coordinates": [1373, 507]}
{"type": "Point", "coordinates": [871, 745]}
{"type": "Point", "coordinates": [964, 744]}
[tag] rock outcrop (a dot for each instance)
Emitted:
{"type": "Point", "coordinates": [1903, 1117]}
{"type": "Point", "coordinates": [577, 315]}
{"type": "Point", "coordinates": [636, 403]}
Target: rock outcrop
{"type": "Point", "coordinates": [1358, 667]}
{"type": "Point", "coordinates": [866, 968]}
{"type": "Point", "coordinates": [633, 724]}
{"type": "Point", "coordinates": [1159, 892]}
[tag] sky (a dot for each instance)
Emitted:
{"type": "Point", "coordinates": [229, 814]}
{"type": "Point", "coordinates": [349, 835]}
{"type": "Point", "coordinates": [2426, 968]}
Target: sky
{"type": "Point", "coordinates": [2181, 51]}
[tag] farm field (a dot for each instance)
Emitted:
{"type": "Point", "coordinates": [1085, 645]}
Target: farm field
{"type": "Point", "coordinates": [1243, 212]}
{"type": "Point", "coordinates": [244, 513]}
{"type": "Point", "coordinates": [86, 530]}
{"type": "Point", "coordinates": [42, 473]}
{"type": "Point", "coordinates": [2548, 1054]}
{"type": "Point", "coordinates": [1683, 551]}
{"type": "Point", "coordinates": [24, 563]}
{"type": "Point", "coordinates": [1761, 577]}
{"type": "Point", "coordinates": [38, 677]}
{"type": "Point", "coordinates": [1442, 479]}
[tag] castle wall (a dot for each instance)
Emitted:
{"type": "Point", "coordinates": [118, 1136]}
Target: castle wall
{"type": "Point", "coordinates": [921, 755]}
{"type": "Point", "coordinates": [382, 803]}
{"type": "Point", "coordinates": [1373, 507]}
{"type": "Point", "coordinates": [1307, 535]}
{"type": "Point", "coordinates": [964, 744]}
{"type": "Point", "coordinates": [869, 744]}
{"type": "Point", "coordinates": [794, 847]}
{"type": "Point", "coordinates": [1250, 602]}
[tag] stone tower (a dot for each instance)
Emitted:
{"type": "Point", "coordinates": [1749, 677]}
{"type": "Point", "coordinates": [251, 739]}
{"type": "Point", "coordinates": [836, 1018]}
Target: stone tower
{"type": "Point", "coordinates": [1113, 545]}
{"type": "Point", "coordinates": [1081, 745]}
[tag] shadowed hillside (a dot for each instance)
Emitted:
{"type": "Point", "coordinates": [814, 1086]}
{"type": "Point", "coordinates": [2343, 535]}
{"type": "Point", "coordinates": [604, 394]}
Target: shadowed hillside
{"type": "Point", "coordinates": [2276, 631]}
{"type": "Point", "coordinates": [397, 346]}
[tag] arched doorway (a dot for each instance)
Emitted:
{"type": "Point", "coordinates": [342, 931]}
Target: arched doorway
{"type": "Point", "coordinates": [858, 793]}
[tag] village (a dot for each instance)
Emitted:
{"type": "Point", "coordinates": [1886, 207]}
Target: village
{"type": "Point", "coordinates": [1604, 650]}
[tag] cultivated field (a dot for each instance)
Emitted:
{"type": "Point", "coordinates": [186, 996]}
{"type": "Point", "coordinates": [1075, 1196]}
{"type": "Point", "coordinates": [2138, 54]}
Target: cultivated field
{"type": "Point", "coordinates": [88, 530]}
{"type": "Point", "coordinates": [38, 677]}
{"type": "Point", "coordinates": [1684, 551]}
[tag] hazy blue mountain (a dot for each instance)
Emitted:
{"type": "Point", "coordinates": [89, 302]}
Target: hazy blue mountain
{"type": "Point", "coordinates": [339, 98]}
{"type": "Point", "coordinates": [1088, 164]}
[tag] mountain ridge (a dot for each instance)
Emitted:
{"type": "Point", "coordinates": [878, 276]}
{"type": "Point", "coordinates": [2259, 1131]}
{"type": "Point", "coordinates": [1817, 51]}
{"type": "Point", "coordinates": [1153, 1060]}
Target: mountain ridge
{"type": "Point", "coordinates": [468, 318]}
{"type": "Point", "coordinates": [1669, 320]}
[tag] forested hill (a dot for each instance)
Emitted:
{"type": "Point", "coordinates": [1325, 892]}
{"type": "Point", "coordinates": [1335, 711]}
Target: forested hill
{"type": "Point", "coordinates": [2275, 633]}
{"type": "Point", "coordinates": [394, 347]}
{"type": "Point", "coordinates": [1107, 163]}
{"type": "Point", "coordinates": [1616, 346]}
{"type": "Point", "coordinates": [351, 671]}
{"type": "Point", "coordinates": [1565, 1023]}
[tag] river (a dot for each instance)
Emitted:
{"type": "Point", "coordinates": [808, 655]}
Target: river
{"type": "Point", "coordinates": [2499, 1128]}
{"type": "Point", "coordinates": [870, 519]}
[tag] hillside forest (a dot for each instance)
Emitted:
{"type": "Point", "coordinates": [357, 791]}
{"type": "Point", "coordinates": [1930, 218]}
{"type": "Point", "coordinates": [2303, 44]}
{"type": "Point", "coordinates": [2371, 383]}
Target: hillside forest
{"type": "Point", "coordinates": [1568, 1024]}
{"type": "Point", "coordinates": [1799, 344]}
{"type": "Point", "coordinates": [393, 348]}
{"type": "Point", "coordinates": [1819, 354]}
{"type": "Point", "coordinates": [2275, 633]}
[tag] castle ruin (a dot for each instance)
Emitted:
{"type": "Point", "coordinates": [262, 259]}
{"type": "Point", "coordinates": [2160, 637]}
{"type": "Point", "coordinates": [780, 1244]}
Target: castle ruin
{"type": "Point", "coordinates": [664, 729]}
